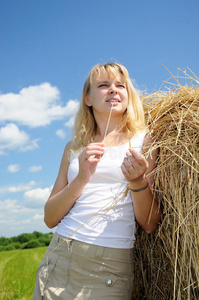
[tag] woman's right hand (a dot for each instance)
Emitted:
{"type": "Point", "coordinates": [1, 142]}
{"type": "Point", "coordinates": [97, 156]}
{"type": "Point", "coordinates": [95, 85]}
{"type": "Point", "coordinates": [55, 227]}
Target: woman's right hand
{"type": "Point", "coordinates": [64, 194]}
{"type": "Point", "coordinates": [88, 160]}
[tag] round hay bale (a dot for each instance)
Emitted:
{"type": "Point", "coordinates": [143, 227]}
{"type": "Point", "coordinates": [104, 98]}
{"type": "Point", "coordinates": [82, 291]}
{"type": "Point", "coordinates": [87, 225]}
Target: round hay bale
{"type": "Point", "coordinates": [167, 261]}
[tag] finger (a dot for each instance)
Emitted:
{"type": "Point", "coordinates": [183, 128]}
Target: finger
{"type": "Point", "coordinates": [135, 168]}
{"type": "Point", "coordinates": [138, 157]}
{"type": "Point", "coordinates": [91, 156]}
{"type": "Point", "coordinates": [131, 168]}
{"type": "Point", "coordinates": [135, 153]}
{"type": "Point", "coordinates": [133, 161]}
{"type": "Point", "coordinates": [94, 154]}
{"type": "Point", "coordinates": [96, 146]}
{"type": "Point", "coordinates": [124, 170]}
{"type": "Point", "coordinates": [128, 169]}
{"type": "Point", "coordinates": [129, 164]}
{"type": "Point", "coordinates": [126, 173]}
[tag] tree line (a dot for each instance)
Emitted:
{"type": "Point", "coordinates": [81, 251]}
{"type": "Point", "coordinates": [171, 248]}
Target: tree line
{"type": "Point", "coordinates": [25, 241]}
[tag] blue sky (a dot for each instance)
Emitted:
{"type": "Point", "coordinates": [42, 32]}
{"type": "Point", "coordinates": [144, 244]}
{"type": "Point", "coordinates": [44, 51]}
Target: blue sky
{"type": "Point", "coordinates": [47, 49]}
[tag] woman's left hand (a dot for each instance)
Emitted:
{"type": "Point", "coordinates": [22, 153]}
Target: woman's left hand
{"type": "Point", "coordinates": [134, 166]}
{"type": "Point", "coordinates": [139, 171]}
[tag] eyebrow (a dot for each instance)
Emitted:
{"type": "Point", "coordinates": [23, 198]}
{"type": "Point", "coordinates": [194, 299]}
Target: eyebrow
{"type": "Point", "coordinates": [107, 81]}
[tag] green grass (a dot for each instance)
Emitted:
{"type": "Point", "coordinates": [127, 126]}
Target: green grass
{"type": "Point", "coordinates": [17, 273]}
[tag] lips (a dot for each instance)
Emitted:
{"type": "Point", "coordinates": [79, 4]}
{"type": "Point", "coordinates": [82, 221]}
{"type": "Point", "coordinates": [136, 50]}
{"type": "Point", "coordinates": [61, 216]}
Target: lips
{"type": "Point", "coordinates": [113, 100]}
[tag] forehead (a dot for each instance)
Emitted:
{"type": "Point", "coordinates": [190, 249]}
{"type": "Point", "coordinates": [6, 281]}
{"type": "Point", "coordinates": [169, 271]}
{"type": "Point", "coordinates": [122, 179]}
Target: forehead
{"type": "Point", "coordinates": [107, 71]}
{"type": "Point", "coordinates": [107, 77]}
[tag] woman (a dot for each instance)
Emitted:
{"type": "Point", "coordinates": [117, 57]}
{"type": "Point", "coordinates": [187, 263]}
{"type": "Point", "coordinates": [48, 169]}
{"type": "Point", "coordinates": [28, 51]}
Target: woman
{"type": "Point", "coordinates": [101, 188]}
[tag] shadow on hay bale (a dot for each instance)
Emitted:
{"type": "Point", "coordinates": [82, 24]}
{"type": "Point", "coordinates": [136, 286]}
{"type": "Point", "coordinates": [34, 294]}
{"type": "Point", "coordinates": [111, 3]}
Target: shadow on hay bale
{"type": "Point", "coordinates": [167, 261]}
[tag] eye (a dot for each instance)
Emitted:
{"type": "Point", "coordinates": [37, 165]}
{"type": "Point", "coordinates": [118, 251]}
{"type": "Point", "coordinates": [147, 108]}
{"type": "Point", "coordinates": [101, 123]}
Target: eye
{"type": "Point", "coordinates": [121, 85]}
{"type": "Point", "coordinates": [103, 85]}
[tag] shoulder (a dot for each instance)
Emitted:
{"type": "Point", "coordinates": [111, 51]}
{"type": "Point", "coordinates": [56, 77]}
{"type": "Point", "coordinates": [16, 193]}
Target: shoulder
{"type": "Point", "coordinates": [68, 146]}
{"type": "Point", "coordinates": [67, 150]}
{"type": "Point", "coordinates": [147, 140]}
{"type": "Point", "coordinates": [150, 150]}
{"type": "Point", "coordinates": [138, 138]}
{"type": "Point", "coordinates": [149, 143]}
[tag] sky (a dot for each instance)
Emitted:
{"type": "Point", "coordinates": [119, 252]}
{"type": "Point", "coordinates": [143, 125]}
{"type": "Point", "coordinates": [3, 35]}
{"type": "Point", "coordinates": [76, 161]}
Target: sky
{"type": "Point", "coordinates": [47, 48]}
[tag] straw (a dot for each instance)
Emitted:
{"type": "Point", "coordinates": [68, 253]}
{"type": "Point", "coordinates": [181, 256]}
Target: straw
{"type": "Point", "coordinates": [167, 261]}
{"type": "Point", "coordinates": [107, 125]}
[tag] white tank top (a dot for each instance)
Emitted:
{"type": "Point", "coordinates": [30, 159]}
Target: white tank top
{"type": "Point", "coordinates": [103, 215]}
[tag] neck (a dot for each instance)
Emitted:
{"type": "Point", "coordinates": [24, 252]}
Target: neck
{"type": "Point", "coordinates": [113, 138]}
{"type": "Point", "coordinates": [109, 124]}
{"type": "Point", "coordinates": [110, 136]}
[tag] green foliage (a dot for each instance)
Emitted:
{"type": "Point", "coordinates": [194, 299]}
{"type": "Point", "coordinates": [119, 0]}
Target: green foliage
{"type": "Point", "coordinates": [17, 245]}
{"type": "Point", "coordinates": [9, 247]}
{"type": "Point", "coordinates": [25, 241]}
{"type": "Point", "coordinates": [31, 244]}
{"type": "Point", "coordinates": [45, 240]}
{"type": "Point", "coordinates": [24, 237]}
{"type": "Point", "coordinates": [37, 234]}
{"type": "Point", "coordinates": [4, 241]}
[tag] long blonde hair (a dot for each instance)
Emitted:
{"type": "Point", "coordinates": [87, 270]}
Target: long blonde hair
{"type": "Point", "coordinates": [85, 125]}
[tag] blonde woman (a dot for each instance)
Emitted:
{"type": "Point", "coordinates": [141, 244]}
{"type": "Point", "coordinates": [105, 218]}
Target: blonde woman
{"type": "Point", "coordinates": [101, 189]}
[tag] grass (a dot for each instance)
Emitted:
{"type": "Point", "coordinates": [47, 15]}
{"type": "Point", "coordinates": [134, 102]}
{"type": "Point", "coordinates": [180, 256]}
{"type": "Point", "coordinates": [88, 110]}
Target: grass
{"type": "Point", "coordinates": [17, 273]}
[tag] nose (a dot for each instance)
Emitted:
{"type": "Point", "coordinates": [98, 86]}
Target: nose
{"type": "Point", "coordinates": [112, 89]}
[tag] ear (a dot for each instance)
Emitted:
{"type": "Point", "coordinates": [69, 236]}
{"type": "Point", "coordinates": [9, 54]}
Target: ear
{"type": "Point", "coordinates": [87, 100]}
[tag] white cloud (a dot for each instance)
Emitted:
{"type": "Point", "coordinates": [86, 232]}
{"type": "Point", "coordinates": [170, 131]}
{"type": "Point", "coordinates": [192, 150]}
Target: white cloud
{"type": "Point", "coordinates": [72, 106]}
{"type": "Point", "coordinates": [8, 204]}
{"type": "Point", "coordinates": [15, 218]}
{"type": "Point", "coordinates": [32, 145]}
{"type": "Point", "coordinates": [12, 209]}
{"type": "Point", "coordinates": [35, 106]}
{"type": "Point", "coordinates": [36, 198]}
{"type": "Point", "coordinates": [13, 168]}
{"type": "Point", "coordinates": [70, 122]}
{"type": "Point", "coordinates": [2, 152]}
{"type": "Point", "coordinates": [61, 134]}
{"type": "Point", "coordinates": [17, 188]}
{"type": "Point", "coordinates": [38, 217]}
{"type": "Point", "coordinates": [12, 138]}
{"type": "Point", "coordinates": [26, 215]}
{"type": "Point", "coordinates": [35, 169]}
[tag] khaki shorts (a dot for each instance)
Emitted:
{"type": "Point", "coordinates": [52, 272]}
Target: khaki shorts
{"type": "Point", "coordinates": [75, 270]}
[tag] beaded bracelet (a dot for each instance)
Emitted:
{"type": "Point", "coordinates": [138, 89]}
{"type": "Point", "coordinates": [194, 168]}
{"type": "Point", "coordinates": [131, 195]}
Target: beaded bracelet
{"type": "Point", "coordinates": [141, 189]}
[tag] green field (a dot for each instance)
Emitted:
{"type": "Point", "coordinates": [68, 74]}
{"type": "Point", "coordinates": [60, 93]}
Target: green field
{"type": "Point", "coordinates": [17, 273]}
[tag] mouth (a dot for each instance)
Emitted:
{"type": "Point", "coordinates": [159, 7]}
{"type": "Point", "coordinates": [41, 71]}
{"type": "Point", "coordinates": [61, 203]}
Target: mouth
{"type": "Point", "coordinates": [113, 100]}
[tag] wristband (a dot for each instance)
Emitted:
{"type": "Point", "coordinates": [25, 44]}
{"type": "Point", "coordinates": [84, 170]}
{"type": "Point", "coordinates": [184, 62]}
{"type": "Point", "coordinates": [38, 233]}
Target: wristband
{"type": "Point", "coordinates": [141, 189]}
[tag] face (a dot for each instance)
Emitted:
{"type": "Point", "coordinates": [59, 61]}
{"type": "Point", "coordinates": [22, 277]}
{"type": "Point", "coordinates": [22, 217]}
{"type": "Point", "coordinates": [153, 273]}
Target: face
{"type": "Point", "coordinates": [106, 92]}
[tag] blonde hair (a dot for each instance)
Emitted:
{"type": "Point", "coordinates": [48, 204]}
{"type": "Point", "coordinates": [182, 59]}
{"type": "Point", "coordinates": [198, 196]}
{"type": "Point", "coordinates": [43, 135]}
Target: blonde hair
{"type": "Point", "coordinates": [85, 125]}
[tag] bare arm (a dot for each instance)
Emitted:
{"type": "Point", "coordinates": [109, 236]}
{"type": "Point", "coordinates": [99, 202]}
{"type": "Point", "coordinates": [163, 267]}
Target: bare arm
{"type": "Point", "coordinates": [136, 169]}
{"type": "Point", "coordinates": [64, 194]}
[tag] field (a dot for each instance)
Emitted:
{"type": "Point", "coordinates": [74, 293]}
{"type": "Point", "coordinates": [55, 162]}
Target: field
{"type": "Point", "coordinates": [17, 273]}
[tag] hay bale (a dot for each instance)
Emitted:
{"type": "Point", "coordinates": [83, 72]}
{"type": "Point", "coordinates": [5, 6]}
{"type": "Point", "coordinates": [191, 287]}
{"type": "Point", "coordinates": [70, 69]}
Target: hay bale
{"type": "Point", "coordinates": [167, 261]}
